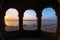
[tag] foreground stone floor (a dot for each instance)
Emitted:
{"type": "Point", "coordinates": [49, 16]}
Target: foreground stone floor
{"type": "Point", "coordinates": [28, 39]}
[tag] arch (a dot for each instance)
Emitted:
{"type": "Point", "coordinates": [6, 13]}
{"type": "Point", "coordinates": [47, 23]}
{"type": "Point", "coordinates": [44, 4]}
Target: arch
{"type": "Point", "coordinates": [11, 20]}
{"type": "Point", "coordinates": [29, 20]}
{"type": "Point", "coordinates": [49, 20]}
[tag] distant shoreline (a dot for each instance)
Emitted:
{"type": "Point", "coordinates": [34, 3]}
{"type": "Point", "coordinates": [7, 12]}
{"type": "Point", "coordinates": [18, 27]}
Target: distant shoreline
{"type": "Point", "coordinates": [31, 20]}
{"type": "Point", "coordinates": [23, 20]}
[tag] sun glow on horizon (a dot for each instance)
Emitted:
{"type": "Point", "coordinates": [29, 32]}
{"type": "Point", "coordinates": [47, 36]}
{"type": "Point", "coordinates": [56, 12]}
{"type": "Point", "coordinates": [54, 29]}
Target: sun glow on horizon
{"type": "Point", "coordinates": [11, 14]}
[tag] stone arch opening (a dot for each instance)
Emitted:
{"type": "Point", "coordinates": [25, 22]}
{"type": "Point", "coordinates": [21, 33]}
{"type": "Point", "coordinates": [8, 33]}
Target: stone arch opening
{"type": "Point", "coordinates": [49, 20]}
{"type": "Point", "coordinates": [11, 20]}
{"type": "Point", "coordinates": [30, 20]}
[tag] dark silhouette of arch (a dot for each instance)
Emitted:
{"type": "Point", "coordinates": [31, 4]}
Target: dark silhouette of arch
{"type": "Point", "coordinates": [21, 6]}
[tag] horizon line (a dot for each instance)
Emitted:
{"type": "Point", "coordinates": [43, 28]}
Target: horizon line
{"type": "Point", "coordinates": [25, 20]}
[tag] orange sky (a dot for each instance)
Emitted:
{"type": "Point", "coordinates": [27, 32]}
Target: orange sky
{"type": "Point", "coordinates": [11, 17]}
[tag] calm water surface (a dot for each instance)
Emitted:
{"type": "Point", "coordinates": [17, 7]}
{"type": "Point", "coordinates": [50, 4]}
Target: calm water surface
{"type": "Point", "coordinates": [47, 25]}
{"type": "Point", "coordinates": [16, 23]}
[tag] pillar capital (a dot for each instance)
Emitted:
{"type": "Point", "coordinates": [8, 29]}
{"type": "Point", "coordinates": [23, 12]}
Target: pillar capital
{"type": "Point", "coordinates": [39, 14]}
{"type": "Point", "coordinates": [57, 14]}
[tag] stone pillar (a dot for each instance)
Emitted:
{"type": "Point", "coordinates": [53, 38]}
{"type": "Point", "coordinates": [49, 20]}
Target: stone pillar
{"type": "Point", "coordinates": [39, 20]}
{"type": "Point", "coordinates": [58, 25]}
{"type": "Point", "coordinates": [21, 20]}
{"type": "Point", "coordinates": [2, 24]}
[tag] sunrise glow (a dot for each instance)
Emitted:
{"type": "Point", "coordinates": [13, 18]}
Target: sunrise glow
{"type": "Point", "coordinates": [12, 15]}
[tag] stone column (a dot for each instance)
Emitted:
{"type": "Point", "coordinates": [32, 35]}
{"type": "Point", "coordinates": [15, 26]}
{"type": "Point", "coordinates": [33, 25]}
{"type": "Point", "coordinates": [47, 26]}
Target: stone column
{"type": "Point", "coordinates": [21, 20]}
{"type": "Point", "coordinates": [2, 24]}
{"type": "Point", "coordinates": [39, 20]}
{"type": "Point", "coordinates": [58, 25]}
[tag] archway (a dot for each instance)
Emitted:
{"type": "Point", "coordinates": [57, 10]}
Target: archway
{"type": "Point", "coordinates": [29, 20]}
{"type": "Point", "coordinates": [49, 20]}
{"type": "Point", "coordinates": [11, 20]}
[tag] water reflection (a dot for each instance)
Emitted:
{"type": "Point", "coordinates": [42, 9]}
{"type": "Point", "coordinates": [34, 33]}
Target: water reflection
{"type": "Point", "coordinates": [12, 23]}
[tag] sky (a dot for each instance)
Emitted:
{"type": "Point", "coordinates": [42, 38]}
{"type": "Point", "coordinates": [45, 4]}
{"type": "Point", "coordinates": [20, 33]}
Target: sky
{"type": "Point", "coordinates": [47, 13]}
{"type": "Point", "coordinates": [11, 14]}
{"type": "Point", "coordinates": [29, 15]}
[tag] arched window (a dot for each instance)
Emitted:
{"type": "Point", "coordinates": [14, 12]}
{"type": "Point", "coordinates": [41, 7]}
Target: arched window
{"type": "Point", "coordinates": [49, 20]}
{"type": "Point", "coordinates": [11, 20]}
{"type": "Point", "coordinates": [29, 20]}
